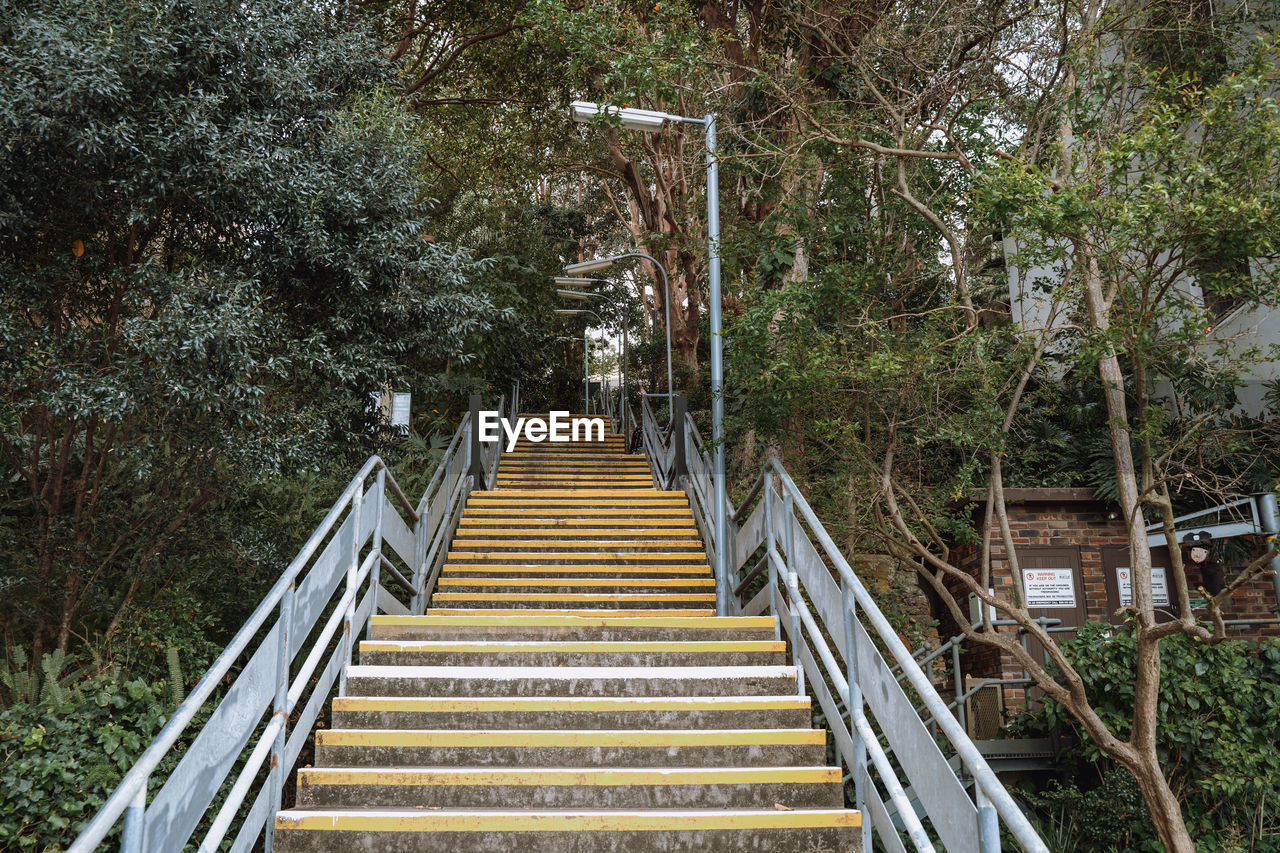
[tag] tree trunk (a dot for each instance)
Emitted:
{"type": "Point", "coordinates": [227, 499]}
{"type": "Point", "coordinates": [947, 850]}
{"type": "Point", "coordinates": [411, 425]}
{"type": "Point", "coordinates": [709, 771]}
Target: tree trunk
{"type": "Point", "coordinates": [1163, 805]}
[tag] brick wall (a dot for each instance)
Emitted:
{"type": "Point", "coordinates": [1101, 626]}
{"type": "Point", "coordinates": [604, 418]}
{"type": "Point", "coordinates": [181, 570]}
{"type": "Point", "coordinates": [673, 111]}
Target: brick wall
{"type": "Point", "coordinates": [1078, 519]}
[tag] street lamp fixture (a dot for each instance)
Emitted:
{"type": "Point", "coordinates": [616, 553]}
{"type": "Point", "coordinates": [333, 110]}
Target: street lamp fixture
{"type": "Point", "coordinates": [588, 267]}
{"type": "Point", "coordinates": [574, 281]}
{"type": "Point", "coordinates": [650, 121]}
{"type": "Point", "coordinates": [578, 295]}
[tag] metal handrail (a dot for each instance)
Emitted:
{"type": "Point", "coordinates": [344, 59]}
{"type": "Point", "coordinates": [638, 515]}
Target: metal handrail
{"type": "Point", "coordinates": [810, 605]}
{"type": "Point", "coordinates": [363, 515]}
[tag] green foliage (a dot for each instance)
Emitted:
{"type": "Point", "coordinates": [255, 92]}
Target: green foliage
{"type": "Point", "coordinates": [1219, 709]}
{"type": "Point", "coordinates": [60, 759]}
{"type": "Point", "coordinates": [213, 251]}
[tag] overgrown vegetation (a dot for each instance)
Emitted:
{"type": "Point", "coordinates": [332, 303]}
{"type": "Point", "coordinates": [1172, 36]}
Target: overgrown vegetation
{"type": "Point", "coordinates": [1218, 712]}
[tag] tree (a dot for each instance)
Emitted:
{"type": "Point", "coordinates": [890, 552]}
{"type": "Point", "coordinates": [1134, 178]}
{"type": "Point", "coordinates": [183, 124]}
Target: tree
{"type": "Point", "coordinates": [1120, 176]}
{"type": "Point", "coordinates": [212, 249]}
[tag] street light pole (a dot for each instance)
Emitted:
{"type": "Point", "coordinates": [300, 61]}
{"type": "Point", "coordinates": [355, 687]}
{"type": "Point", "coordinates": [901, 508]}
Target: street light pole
{"type": "Point", "coordinates": [586, 366]}
{"type": "Point", "coordinates": [595, 265]}
{"type": "Point", "coordinates": [649, 121]}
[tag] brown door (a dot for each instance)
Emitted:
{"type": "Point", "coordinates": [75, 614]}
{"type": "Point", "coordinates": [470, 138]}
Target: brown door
{"type": "Point", "coordinates": [1053, 588]}
{"type": "Point", "coordinates": [1115, 565]}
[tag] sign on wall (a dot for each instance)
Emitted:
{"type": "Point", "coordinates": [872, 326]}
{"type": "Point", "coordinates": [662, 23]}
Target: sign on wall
{"type": "Point", "coordinates": [1049, 587]}
{"type": "Point", "coordinates": [1159, 586]}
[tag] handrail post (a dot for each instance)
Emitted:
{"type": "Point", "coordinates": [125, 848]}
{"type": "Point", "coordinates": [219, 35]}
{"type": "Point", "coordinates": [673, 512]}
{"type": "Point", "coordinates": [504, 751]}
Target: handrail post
{"type": "Point", "coordinates": [280, 707]}
{"type": "Point", "coordinates": [793, 588]}
{"type": "Point", "coordinates": [135, 821]}
{"type": "Point", "coordinates": [375, 572]}
{"type": "Point", "coordinates": [353, 569]}
{"type": "Point", "coordinates": [850, 610]}
{"type": "Point", "coordinates": [771, 546]}
{"type": "Point", "coordinates": [476, 468]}
{"type": "Point", "coordinates": [988, 821]}
{"type": "Point", "coordinates": [679, 467]}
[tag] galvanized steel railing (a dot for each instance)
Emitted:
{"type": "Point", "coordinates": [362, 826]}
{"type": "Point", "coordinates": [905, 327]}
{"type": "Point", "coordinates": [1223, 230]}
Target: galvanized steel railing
{"type": "Point", "coordinates": [847, 653]}
{"type": "Point", "coordinates": [312, 618]}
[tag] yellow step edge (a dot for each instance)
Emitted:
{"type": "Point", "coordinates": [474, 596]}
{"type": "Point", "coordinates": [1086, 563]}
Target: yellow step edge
{"type": "Point", "coordinates": [545, 620]}
{"type": "Point", "coordinates": [585, 612]}
{"type": "Point", "coordinates": [590, 493]}
{"type": "Point", "coordinates": [584, 512]}
{"type": "Point", "coordinates": [680, 520]}
{"type": "Point", "coordinates": [605, 582]}
{"type": "Point", "coordinates": [521, 571]}
{"type": "Point", "coordinates": [468, 705]}
{"type": "Point", "coordinates": [608, 544]}
{"type": "Point", "coordinates": [535, 556]}
{"type": "Point", "coordinates": [649, 820]}
{"type": "Point", "coordinates": [605, 533]}
{"type": "Point", "coordinates": [498, 646]}
{"type": "Point", "coordinates": [570, 596]}
{"type": "Point", "coordinates": [569, 738]}
{"type": "Point", "coordinates": [566, 777]}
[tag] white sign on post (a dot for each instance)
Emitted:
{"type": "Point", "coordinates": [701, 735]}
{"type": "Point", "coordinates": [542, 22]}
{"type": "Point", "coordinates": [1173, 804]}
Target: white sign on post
{"type": "Point", "coordinates": [1049, 587]}
{"type": "Point", "coordinates": [1159, 586]}
{"type": "Point", "coordinates": [400, 411]}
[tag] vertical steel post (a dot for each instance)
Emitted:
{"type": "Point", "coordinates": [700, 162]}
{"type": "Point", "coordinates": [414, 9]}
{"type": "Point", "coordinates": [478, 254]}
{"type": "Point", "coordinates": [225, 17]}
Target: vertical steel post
{"type": "Point", "coordinates": [353, 569]}
{"type": "Point", "coordinates": [419, 558]}
{"type": "Point", "coordinates": [475, 467]}
{"type": "Point", "coordinates": [854, 701]}
{"type": "Point", "coordinates": [717, 369]}
{"type": "Point", "coordinates": [280, 708]}
{"type": "Point", "coordinates": [771, 545]}
{"type": "Point", "coordinates": [1269, 516]}
{"type": "Point", "coordinates": [375, 573]}
{"type": "Point", "coordinates": [959, 684]}
{"type": "Point", "coordinates": [679, 466]}
{"type": "Point", "coordinates": [793, 588]}
{"type": "Point", "coordinates": [131, 840]}
{"type": "Point", "coordinates": [586, 372]}
{"type": "Point", "coordinates": [988, 822]}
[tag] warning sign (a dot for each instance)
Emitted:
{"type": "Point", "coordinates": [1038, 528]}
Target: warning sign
{"type": "Point", "coordinates": [1159, 586]}
{"type": "Point", "coordinates": [1049, 587]}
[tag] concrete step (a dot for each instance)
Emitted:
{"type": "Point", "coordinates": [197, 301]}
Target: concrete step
{"type": "Point", "coordinates": [565, 583]}
{"type": "Point", "coordinates": [578, 495]}
{"type": "Point", "coordinates": [521, 533]}
{"type": "Point", "coordinates": [570, 600]}
{"type": "Point", "coordinates": [568, 831]}
{"type": "Point", "coordinates": [631, 653]}
{"type": "Point", "coordinates": [570, 748]}
{"type": "Point", "coordinates": [589, 466]}
{"type": "Point", "coordinates": [572, 712]}
{"type": "Point", "coordinates": [606, 629]}
{"type": "Point", "coordinates": [590, 557]}
{"type": "Point", "coordinates": [479, 681]}
{"type": "Point", "coordinates": [572, 788]}
{"type": "Point", "coordinates": [591, 543]}
{"type": "Point", "coordinates": [629, 612]}
{"type": "Point", "coordinates": [563, 600]}
{"type": "Point", "coordinates": [652, 524]}
{"type": "Point", "coordinates": [520, 454]}
{"type": "Point", "coordinates": [639, 513]}
{"type": "Point", "coordinates": [498, 570]}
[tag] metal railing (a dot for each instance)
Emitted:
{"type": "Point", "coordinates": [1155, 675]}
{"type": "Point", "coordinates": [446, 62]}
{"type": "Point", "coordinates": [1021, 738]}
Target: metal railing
{"type": "Point", "coordinates": [844, 647]}
{"type": "Point", "coordinates": [286, 658]}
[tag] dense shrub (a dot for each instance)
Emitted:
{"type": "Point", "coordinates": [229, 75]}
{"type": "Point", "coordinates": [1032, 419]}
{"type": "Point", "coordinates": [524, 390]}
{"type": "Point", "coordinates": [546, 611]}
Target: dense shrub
{"type": "Point", "coordinates": [1218, 717]}
{"type": "Point", "coordinates": [60, 760]}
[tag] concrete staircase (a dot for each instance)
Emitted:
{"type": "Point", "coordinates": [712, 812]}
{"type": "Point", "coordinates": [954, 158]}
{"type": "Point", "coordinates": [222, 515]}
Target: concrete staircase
{"type": "Point", "coordinates": [571, 689]}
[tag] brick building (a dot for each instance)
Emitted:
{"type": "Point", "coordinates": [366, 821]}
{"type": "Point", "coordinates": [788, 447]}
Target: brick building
{"type": "Point", "coordinates": [1075, 547]}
